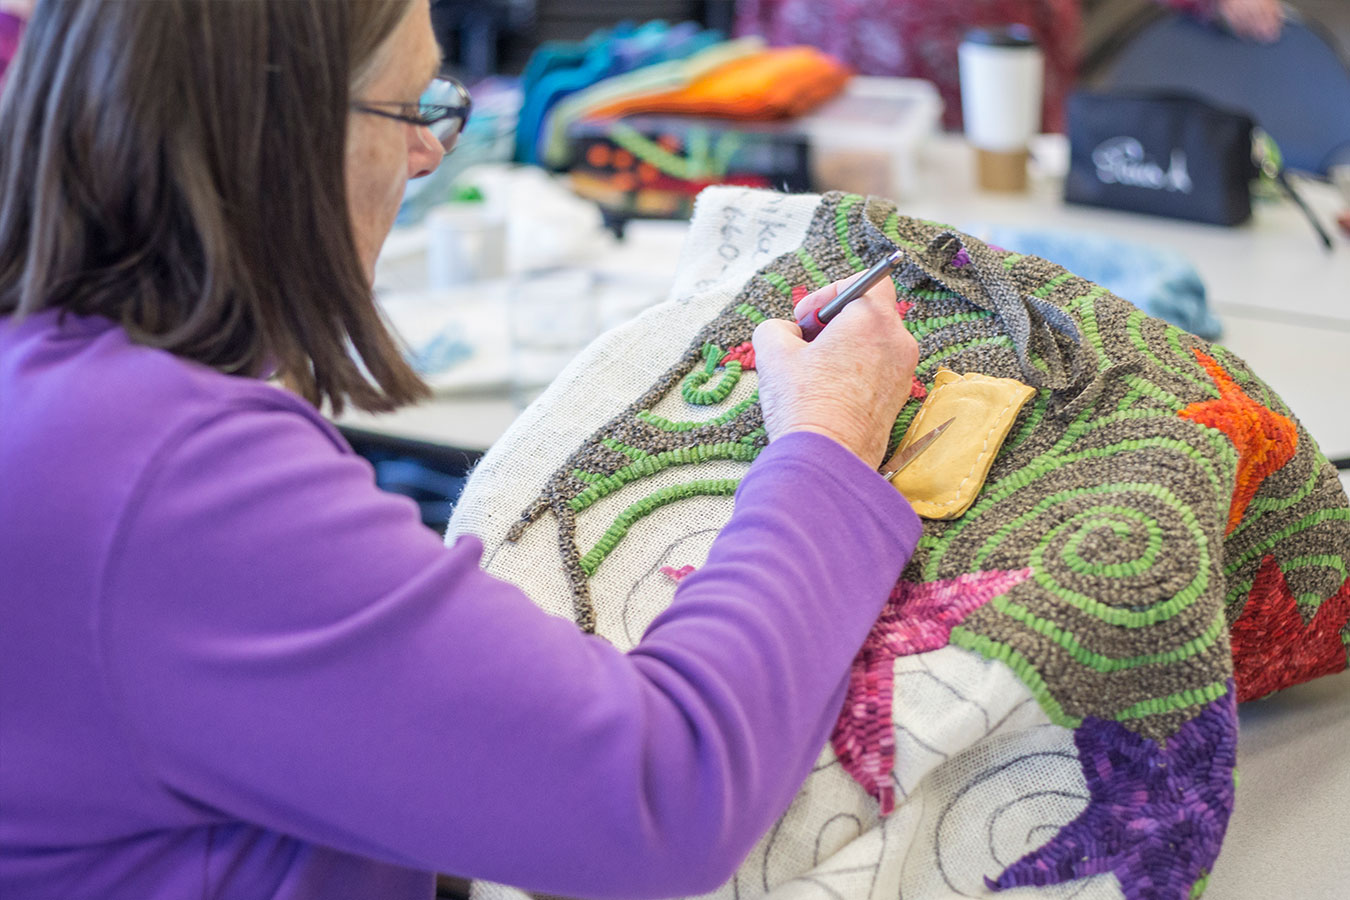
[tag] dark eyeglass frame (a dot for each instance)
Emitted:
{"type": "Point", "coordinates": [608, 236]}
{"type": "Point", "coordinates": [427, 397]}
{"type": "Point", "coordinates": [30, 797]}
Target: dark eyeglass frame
{"type": "Point", "coordinates": [428, 115]}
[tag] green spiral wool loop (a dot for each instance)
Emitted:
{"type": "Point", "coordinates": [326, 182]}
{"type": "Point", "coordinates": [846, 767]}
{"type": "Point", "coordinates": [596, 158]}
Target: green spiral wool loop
{"type": "Point", "coordinates": [664, 424]}
{"type": "Point", "coordinates": [1149, 506]}
{"type": "Point", "coordinates": [692, 387]}
{"type": "Point", "coordinates": [841, 231]}
{"type": "Point", "coordinates": [1115, 502]}
{"type": "Point", "coordinates": [604, 485]}
{"type": "Point", "coordinates": [751, 313]}
{"type": "Point", "coordinates": [719, 487]}
{"type": "Point", "coordinates": [818, 278]}
{"type": "Point", "coordinates": [924, 327]}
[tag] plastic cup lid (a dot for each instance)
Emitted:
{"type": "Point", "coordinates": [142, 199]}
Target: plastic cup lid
{"type": "Point", "coordinates": [1001, 36]}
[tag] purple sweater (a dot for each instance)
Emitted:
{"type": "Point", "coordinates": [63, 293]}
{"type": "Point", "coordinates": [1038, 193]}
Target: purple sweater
{"type": "Point", "coordinates": [232, 667]}
{"type": "Point", "coordinates": [11, 29]}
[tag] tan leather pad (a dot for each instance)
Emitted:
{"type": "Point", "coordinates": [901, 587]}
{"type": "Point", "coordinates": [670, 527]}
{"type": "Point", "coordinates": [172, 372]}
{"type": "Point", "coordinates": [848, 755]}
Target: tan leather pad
{"type": "Point", "coordinates": [944, 480]}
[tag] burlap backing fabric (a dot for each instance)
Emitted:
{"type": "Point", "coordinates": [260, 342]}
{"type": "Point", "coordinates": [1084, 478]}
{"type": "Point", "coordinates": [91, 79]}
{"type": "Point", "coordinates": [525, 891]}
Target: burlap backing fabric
{"type": "Point", "coordinates": [1047, 706]}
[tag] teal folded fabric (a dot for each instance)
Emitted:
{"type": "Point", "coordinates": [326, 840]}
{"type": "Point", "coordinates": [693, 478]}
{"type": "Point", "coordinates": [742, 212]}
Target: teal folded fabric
{"type": "Point", "coordinates": [664, 76]}
{"type": "Point", "coordinates": [558, 71]}
{"type": "Point", "coordinates": [1160, 281]}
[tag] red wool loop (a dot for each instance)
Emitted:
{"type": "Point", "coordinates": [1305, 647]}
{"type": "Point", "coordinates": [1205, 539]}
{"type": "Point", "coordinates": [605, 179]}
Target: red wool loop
{"type": "Point", "coordinates": [1273, 649]}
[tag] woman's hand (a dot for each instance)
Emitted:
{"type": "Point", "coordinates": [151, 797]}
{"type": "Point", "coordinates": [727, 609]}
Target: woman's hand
{"type": "Point", "coordinates": [849, 383]}
{"type": "Point", "coordinates": [1259, 20]}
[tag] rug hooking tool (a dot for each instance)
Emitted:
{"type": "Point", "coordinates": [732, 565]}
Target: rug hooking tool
{"type": "Point", "coordinates": [815, 321]}
{"type": "Point", "coordinates": [911, 453]}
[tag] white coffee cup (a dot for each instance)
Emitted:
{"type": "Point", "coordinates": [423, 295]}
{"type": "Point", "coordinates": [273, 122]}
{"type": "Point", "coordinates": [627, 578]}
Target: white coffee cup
{"type": "Point", "coordinates": [465, 242]}
{"type": "Point", "coordinates": [1002, 84]}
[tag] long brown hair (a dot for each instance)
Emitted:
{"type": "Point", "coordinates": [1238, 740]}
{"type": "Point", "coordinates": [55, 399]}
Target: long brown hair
{"type": "Point", "coordinates": [177, 167]}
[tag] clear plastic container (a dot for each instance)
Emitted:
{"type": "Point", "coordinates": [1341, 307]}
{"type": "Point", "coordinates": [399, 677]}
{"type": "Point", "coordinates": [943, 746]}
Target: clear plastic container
{"type": "Point", "coordinates": [866, 140]}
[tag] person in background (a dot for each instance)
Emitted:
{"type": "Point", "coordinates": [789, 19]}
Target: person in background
{"type": "Point", "coordinates": [230, 666]}
{"type": "Point", "coordinates": [13, 13]}
{"type": "Point", "coordinates": [1256, 20]}
{"type": "Point", "coordinates": [918, 38]}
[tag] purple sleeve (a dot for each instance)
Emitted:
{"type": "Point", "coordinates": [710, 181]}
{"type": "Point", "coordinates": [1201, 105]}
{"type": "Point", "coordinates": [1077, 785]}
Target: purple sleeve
{"type": "Point", "coordinates": [290, 647]}
{"type": "Point", "coordinates": [11, 29]}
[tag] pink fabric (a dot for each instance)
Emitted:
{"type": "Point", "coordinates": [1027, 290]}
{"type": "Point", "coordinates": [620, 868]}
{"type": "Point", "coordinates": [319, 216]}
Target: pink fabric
{"type": "Point", "coordinates": [11, 29]}
{"type": "Point", "coordinates": [918, 38]}
{"type": "Point", "coordinates": [917, 618]}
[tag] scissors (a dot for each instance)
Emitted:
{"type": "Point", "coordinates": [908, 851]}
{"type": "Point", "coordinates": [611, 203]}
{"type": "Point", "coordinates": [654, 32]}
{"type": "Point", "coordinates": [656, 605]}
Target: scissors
{"type": "Point", "coordinates": [911, 453]}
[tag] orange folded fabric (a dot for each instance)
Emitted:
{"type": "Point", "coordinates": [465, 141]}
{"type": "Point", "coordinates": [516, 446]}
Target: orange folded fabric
{"type": "Point", "coordinates": [778, 83]}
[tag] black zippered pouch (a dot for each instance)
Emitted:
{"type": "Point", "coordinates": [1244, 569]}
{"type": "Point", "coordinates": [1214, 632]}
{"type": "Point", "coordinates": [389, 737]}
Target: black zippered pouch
{"type": "Point", "coordinates": [1165, 154]}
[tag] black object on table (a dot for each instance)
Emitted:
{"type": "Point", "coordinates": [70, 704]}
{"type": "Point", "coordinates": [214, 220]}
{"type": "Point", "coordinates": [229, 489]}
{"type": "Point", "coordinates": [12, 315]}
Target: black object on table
{"type": "Point", "coordinates": [431, 474]}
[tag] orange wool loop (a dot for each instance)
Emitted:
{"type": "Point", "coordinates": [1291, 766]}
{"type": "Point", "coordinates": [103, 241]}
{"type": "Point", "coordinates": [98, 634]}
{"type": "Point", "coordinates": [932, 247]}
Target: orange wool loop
{"type": "Point", "coordinates": [1264, 439]}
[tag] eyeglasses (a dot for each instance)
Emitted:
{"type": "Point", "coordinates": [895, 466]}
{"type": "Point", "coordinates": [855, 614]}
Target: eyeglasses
{"type": "Point", "coordinates": [443, 109]}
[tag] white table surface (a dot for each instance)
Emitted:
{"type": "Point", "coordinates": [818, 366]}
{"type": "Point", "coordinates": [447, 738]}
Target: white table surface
{"type": "Point", "coordinates": [1283, 300]}
{"type": "Point", "coordinates": [1288, 834]}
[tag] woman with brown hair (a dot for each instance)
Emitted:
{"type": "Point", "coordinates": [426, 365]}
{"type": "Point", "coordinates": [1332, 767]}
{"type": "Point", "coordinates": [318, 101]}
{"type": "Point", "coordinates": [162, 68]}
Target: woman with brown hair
{"type": "Point", "coordinates": [229, 665]}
